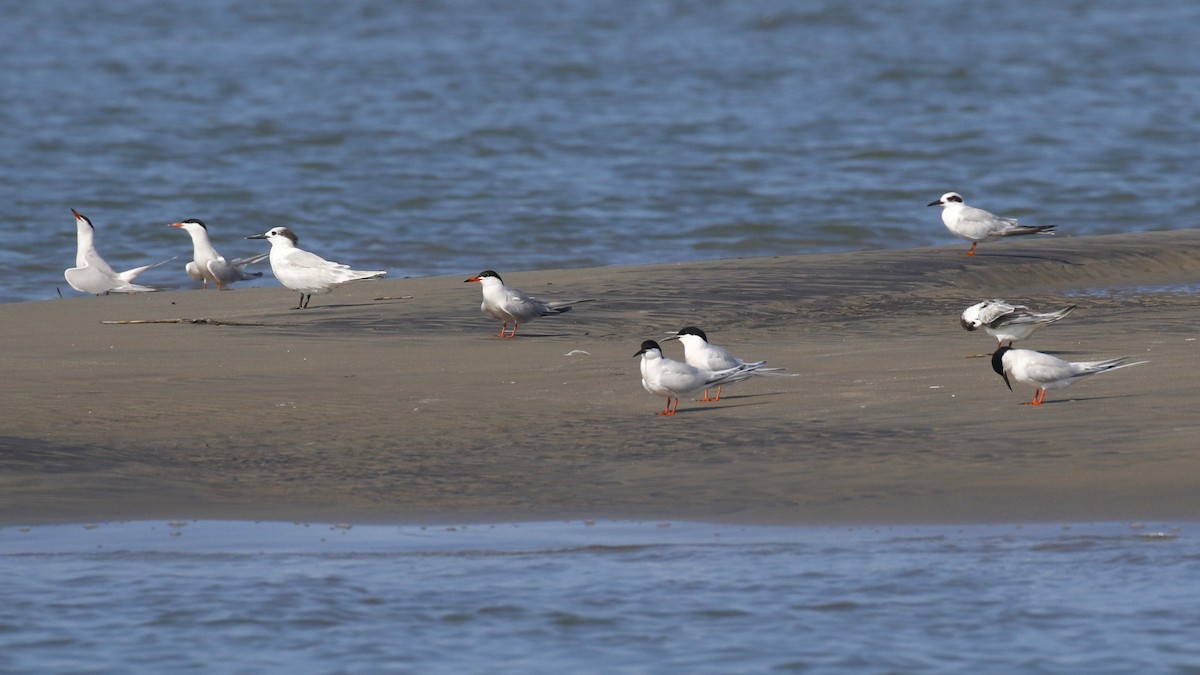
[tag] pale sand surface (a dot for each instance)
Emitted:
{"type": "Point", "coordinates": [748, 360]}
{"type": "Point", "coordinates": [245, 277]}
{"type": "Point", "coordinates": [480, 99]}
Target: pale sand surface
{"type": "Point", "coordinates": [409, 410]}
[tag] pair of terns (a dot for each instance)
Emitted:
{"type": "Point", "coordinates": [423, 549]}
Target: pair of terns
{"type": "Point", "coordinates": [705, 366]}
{"type": "Point", "coordinates": [92, 274]}
{"type": "Point", "coordinates": [1008, 323]}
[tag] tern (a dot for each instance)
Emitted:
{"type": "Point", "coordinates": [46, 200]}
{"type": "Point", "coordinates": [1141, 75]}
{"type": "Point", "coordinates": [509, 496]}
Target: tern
{"type": "Point", "coordinates": [510, 304]}
{"type": "Point", "coordinates": [208, 265]}
{"type": "Point", "coordinates": [1048, 372]}
{"type": "Point", "coordinates": [975, 225]}
{"type": "Point", "coordinates": [667, 377]}
{"type": "Point", "coordinates": [91, 274]}
{"type": "Point", "coordinates": [306, 272]}
{"type": "Point", "coordinates": [1007, 322]}
{"type": "Point", "coordinates": [699, 353]}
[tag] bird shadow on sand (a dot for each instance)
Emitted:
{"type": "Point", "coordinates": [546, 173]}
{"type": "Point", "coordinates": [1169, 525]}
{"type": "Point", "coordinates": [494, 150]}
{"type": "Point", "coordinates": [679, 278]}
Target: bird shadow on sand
{"type": "Point", "coordinates": [336, 305]}
{"type": "Point", "coordinates": [523, 334]}
{"type": "Point", "coordinates": [1027, 256]}
{"type": "Point", "coordinates": [725, 401]}
{"type": "Point", "coordinates": [698, 407]}
{"type": "Point", "coordinates": [1081, 399]}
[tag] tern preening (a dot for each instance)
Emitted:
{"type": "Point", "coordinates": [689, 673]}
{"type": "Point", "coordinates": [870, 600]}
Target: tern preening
{"type": "Point", "coordinates": [667, 377]}
{"type": "Point", "coordinates": [208, 265]}
{"type": "Point", "coordinates": [975, 225]}
{"type": "Point", "coordinates": [1048, 372]}
{"type": "Point", "coordinates": [1007, 322]}
{"type": "Point", "coordinates": [308, 273]}
{"type": "Point", "coordinates": [699, 353]}
{"type": "Point", "coordinates": [510, 304]}
{"type": "Point", "coordinates": [91, 274]}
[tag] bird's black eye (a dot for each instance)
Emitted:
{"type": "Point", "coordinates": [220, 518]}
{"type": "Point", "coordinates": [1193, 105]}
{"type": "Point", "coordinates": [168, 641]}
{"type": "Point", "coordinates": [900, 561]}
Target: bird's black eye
{"type": "Point", "coordinates": [954, 198]}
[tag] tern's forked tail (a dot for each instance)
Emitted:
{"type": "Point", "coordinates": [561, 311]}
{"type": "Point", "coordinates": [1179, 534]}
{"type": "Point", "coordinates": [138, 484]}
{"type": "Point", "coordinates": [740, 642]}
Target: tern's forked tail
{"type": "Point", "coordinates": [1028, 229]}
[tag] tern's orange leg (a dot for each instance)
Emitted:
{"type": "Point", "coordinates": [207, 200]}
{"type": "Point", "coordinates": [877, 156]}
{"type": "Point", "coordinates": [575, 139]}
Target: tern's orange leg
{"type": "Point", "coordinates": [513, 334]}
{"type": "Point", "coordinates": [973, 245]}
{"type": "Point", "coordinates": [706, 398]}
{"type": "Point", "coordinates": [503, 327]}
{"type": "Point", "coordinates": [669, 410]}
{"type": "Point", "coordinates": [1038, 397]}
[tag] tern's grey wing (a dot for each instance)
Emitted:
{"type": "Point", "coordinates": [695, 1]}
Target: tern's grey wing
{"type": "Point", "coordinates": [990, 311]}
{"type": "Point", "coordinates": [970, 214]}
{"type": "Point", "coordinates": [304, 260]}
{"type": "Point", "coordinates": [680, 377]}
{"type": "Point", "coordinates": [129, 275]}
{"type": "Point", "coordinates": [1046, 369]}
{"type": "Point", "coordinates": [524, 307]}
{"type": "Point", "coordinates": [250, 260]}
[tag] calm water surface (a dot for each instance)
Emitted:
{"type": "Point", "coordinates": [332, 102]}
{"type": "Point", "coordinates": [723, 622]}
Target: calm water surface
{"type": "Point", "coordinates": [448, 137]}
{"type": "Point", "coordinates": [606, 597]}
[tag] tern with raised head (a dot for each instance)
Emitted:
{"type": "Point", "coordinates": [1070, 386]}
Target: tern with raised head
{"type": "Point", "coordinates": [91, 274]}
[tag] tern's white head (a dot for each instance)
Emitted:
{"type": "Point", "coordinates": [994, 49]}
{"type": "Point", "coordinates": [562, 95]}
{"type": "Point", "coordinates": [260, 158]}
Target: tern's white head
{"type": "Point", "coordinates": [278, 236]}
{"type": "Point", "coordinates": [947, 199]}
{"type": "Point", "coordinates": [486, 277]}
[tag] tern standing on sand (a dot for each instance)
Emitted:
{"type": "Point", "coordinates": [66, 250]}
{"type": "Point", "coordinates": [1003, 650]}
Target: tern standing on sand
{"type": "Point", "coordinates": [975, 225]}
{"type": "Point", "coordinates": [91, 274]}
{"type": "Point", "coordinates": [208, 265]}
{"type": "Point", "coordinates": [511, 304]}
{"type": "Point", "coordinates": [308, 273]}
{"type": "Point", "coordinates": [667, 377]}
{"type": "Point", "coordinates": [699, 353]}
{"type": "Point", "coordinates": [1048, 372]}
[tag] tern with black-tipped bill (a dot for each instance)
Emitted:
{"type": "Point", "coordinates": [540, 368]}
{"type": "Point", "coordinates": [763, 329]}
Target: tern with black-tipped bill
{"type": "Point", "coordinates": [308, 273]}
{"type": "Point", "coordinates": [1048, 372]}
{"type": "Point", "coordinates": [699, 353]}
{"type": "Point", "coordinates": [674, 379]}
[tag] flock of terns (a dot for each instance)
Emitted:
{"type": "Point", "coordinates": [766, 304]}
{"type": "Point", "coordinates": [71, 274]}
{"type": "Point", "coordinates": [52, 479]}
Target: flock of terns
{"type": "Point", "coordinates": [705, 366]}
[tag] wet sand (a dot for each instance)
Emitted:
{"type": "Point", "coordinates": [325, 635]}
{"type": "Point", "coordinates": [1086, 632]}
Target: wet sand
{"type": "Point", "coordinates": [392, 401]}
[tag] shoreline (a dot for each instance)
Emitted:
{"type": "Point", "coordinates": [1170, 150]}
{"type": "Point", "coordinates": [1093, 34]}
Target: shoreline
{"type": "Point", "coordinates": [407, 410]}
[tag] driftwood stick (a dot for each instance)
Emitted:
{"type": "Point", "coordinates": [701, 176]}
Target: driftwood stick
{"type": "Point", "coordinates": [206, 322]}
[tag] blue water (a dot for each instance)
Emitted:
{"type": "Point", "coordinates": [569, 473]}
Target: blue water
{"type": "Point", "coordinates": [447, 137]}
{"type": "Point", "coordinates": [606, 597]}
